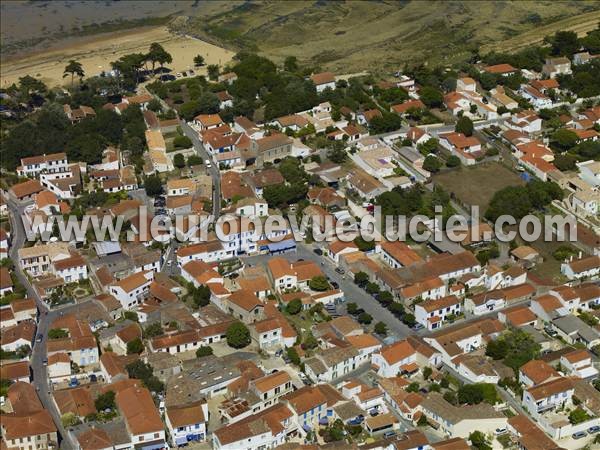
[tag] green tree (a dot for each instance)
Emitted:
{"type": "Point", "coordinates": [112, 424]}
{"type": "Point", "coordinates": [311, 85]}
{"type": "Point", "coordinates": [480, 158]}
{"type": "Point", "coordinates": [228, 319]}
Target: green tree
{"type": "Point", "coordinates": [578, 415]}
{"type": "Point", "coordinates": [57, 333]}
{"type": "Point", "coordinates": [130, 315]}
{"type": "Point", "coordinates": [153, 330]}
{"type": "Point", "coordinates": [294, 306]}
{"type": "Point", "coordinates": [372, 288]}
{"type": "Point", "coordinates": [564, 139]}
{"type": "Point", "coordinates": [565, 162]}
{"type": "Point", "coordinates": [179, 161]}
{"type": "Point", "coordinates": [431, 97]}
{"type": "Point", "coordinates": [365, 318]}
{"type": "Point", "coordinates": [432, 164]}
{"type": "Point", "coordinates": [135, 346]}
{"type": "Point", "coordinates": [293, 356]}
{"type": "Point", "coordinates": [198, 60]}
{"type": "Point", "coordinates": [29, 85]}
{"type": "Point", "coordinates": [105, 401]}
{"type": "Point", "coordinates": [413, 387]}
{"type": "Point", "coordinates": [69, 420]}
{"type": "Point", "coordinates": [351, 308]}
{"type": "Point", "coordinates": [194, 160]}
{"type": "Point", "coordinates": [182, 142]}
{"type": "Point", "coordinates": [153, 185]}
{"type": "Point", "coordinates": [213, 72]}
{"type": "Point", "coordinates": [381, 328]}
{"type": "Point", "coordinates": [427, 371]}
{"type": "Point", "coordinates": [319, 283]}
{"type": "Point", "coordinates": [564, 43]}
{"type": "Point", "coordinates": [514, 347]}
{"type": "Point", "coordinates": [479, 441]}
{"type": "Point", "coordinates": [361, 278]}
{"type": "Point", "coordinates": [464, 125]}
{"type": "Point", "coordinates": [310, 342]}
{"type": "Point", "coordinates": [143, 371]}
{"type": "Point", "coordinates": [73, 68]}
{"type": "Point", "coordinates": [238, 335]}
{"type": "Point", "coordinates": [201, 295]}
{"type": "Point", "coordinates": [158, 54]}
{"type": "Point", "coordinates": [204, 351]}
{"type": "Point", "coordinates": [364, 246]}
{"type": "Point", "coordinates": [453, 161]}
{"type": "Point", "coordinates": [290, 64]}
{"type": "Point", "coordinates": [409, 320]}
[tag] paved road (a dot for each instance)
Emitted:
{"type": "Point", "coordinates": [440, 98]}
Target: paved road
{"type": "Point", "coordinates": [38, 354]}
{"type": "Point", "coordinates": [352, 292]}
{"type": "Point", "coordinates": [213, 171]}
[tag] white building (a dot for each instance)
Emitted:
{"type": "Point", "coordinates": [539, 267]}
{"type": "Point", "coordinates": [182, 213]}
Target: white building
{"type": "Point", "coordinates": [132, 290]}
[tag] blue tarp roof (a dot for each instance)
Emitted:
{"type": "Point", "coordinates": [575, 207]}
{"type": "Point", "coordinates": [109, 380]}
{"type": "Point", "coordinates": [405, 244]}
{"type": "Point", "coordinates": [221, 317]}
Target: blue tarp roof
{"type": "Point", "coordinates": [283, 245]}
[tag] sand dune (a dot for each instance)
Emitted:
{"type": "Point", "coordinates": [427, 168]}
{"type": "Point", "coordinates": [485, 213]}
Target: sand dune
{"type": "Point", "coordinates": [97, 52]}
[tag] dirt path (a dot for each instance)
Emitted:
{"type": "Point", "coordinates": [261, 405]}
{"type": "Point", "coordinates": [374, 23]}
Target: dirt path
{"type": "Point", "coordinates": [96, 55]}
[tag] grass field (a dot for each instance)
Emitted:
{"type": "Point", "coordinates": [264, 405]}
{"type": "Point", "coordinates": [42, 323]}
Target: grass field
{"type": "Point", "coordinates": [385, 35]}
{"type": "Point", "coordinates": [477, 185]}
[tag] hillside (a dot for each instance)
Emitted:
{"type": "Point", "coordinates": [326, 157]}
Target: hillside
{"type": "Point", "coordinates": [358, 35]}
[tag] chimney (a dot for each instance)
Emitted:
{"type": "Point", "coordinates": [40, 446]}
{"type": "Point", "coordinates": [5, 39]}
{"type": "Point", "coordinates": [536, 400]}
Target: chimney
{"type": "Point", "coordinates": [580, 255]}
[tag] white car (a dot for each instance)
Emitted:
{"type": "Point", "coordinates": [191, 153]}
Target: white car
{"type": "Point", "coordinates": [207, 163]}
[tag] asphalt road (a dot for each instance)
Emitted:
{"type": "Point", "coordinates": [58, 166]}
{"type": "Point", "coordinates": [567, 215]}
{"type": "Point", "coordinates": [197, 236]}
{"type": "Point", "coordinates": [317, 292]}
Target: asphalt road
{"type": "Point", "coordinates": [213, 170]}
{"type": "Point", "coordinates": [45, 317]}
{"type": "Point", "coordinates": [352, 292]}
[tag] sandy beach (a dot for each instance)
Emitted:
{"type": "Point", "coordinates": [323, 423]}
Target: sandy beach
{"type": "Point", "coordinates": [97, 52]}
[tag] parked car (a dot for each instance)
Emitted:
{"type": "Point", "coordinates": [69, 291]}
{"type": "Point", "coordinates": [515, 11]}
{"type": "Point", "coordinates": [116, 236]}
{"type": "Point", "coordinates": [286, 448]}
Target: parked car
{"type": "Point", "coordinates": [45, 361]}
{"type": "Point", "coordinates": [39, 338]}
{"type": "Point", "coordinates": [500, 431]}
{"type": "Point", "coordinates": [318, 251]}
{"type": "Point", "coordinates": [418, 326]}
{"type": "Point", "coordinates": [579, 435]}
{"type": "Point", "coordinates": [594, 429]}
{"type": "Point", "coordinates": [207, 163]}
{"type": "Point", "coordinates": [550, 331]}
{"type": "Point", "coordinates": [389, 434]}
{"type": "Point", "coordinates": [93, 378]}
{"type": "Point", "coordinates": [335, 285]}
{"type": "Point", "coordinates": [340, 270]}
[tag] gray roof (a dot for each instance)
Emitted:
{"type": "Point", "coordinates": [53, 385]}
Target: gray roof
{"type": "Point", "coordinates": [435, 403]}
{"type": "Point", "coordinates": [574, 325]}
{"type": "Point", "coordinates": [316, 365]}
{"type": "Point", "coordinates": [108, 333]}
{"type": "Point", "coordinates": [348, 410]}
{"type": "Point", "coordinates": [411, 154]}
{"type": "Point", "coordinates": [116, 429]}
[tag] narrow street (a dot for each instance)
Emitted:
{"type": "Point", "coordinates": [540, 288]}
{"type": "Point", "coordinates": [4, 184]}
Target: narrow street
{"type": "Point", "coordinates": [213, 170]}
{"type": "Point", "coordinates": [45, 317]}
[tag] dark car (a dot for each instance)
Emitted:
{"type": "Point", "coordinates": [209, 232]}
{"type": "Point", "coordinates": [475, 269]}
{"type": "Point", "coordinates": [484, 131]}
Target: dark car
{"type": "Point", "coordinates": [335, 284]}
{"type": "Point", "coordinates": [594, 429]}
{"type": "Point", "coordinates": [318, 251]}
{"type": "Point", "coordinates": [340, 270]}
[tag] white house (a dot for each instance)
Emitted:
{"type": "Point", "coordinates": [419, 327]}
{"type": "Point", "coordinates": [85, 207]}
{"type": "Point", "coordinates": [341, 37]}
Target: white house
{"type": "Point", "coordinates": [579, 363]}
{"type": "Point", "coordinates": [584, 268]}
{"type": "Point", "coordinates": [132, 290]}
{"type": "Point", "coordinates": [405, 356]}
{"type": "Point", "coordinates": [432, 314]}
{"type": "Point", "coordinates": [542, 398]}
{"type": "Point", "coordinates": [187, 423]}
